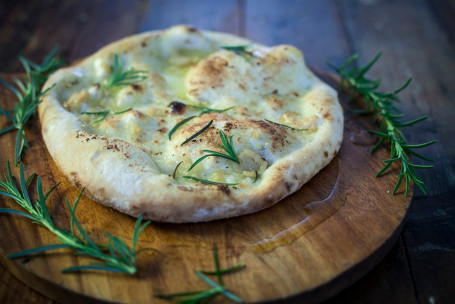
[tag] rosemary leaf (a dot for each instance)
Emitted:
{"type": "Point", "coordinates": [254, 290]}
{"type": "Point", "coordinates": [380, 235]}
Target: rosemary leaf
{"type": "Point", "coordinates": [385, 113]}
{"type": "Point", "coordinates": [240, 50]}
{"type": "Point", "coordinates": [204, 111]}
{"type": "Point", "coordinates": [35, 250]}
{"type": "Point", "coordinates": [175, 170]}
{"type": "Point", "coordinates": [197, 133]}
{"type": "Point", "coordinates": [104, 114]}
{"type": "Point", "coordinates": [205, 181]}
{"type": "Point", "coordinates": [179, 124]}
{"type": "Point", "coordinates": [256, 178]}
{"type": "Point", "coordinates": [210, 110]}
{"type": "Point", "coordinates": [120, 78]}
{"type": "Point", "coordinates": [285, 126]}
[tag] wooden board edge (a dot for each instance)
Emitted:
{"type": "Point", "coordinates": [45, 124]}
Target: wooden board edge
{"type": "Point", "coordinates": [349, 276]}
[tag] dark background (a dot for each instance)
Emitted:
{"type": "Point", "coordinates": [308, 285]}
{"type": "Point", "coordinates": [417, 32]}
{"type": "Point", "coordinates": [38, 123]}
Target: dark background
{"type": "Point", "coordinates": [417, 38]}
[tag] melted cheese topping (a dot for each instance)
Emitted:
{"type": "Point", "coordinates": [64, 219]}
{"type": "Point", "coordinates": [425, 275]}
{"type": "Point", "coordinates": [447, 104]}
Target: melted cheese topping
{"type": "Point", "coordinates": [270, 86]}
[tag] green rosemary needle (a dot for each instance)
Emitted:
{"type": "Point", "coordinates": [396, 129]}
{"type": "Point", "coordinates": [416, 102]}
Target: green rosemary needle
{"type": "Point", "coordinates": [175, 170]}
{"type": "Point", "coordinates": [104, 114]}
{"type": "Point", "coordinates": [202, 296]}
{"type": "Point", "coordinates": [210, 110]}
{"type": "Point", "coordinates": [256, 178]}
{"type": "Point", "coordinates": [197, 133]}
{"type": "Point", "coordinates": [240, 50]}
{"type": "Point", "coordinates": [204, 111]}
{"type": "Point", "coordinates": [382, 106]}
{"type": "Point", "coordinates": [205, 181]}
{"type": "Point", "coordinates": [227, 145]}
{"type": "Point", "coordinates": [29, 96]}
{"type": "Point", "coordinates": [121, 78]}
{"type": "Point", "coordinates": [285, 126]}
{"type": "Point", "coordinates": [115, 256]}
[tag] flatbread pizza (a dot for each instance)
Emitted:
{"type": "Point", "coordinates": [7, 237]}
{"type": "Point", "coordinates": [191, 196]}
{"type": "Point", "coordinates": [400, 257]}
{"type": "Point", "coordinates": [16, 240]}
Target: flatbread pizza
{"type": "Point", "coordinates": [184, 125]}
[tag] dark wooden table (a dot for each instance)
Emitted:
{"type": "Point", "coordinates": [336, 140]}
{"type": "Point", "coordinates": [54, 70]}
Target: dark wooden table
{"type": "Point", "coordinates": [417, 38]}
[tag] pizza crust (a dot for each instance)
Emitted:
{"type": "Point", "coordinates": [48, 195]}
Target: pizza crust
{"type": "Point", "coordinates": [128, 176]}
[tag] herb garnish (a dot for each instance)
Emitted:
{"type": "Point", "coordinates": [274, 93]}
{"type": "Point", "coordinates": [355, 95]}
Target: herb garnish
{"type": "Point", "coordinates": [209, 110]}
{"type": "Point", "coordinates": [129, 77]}
{"type": "Point", "coordinates": [226, 145]}
{"type": "Point", "coordinates": [104, 114]}
{"type": "Point", "coordinates": [115, 256]}
{"type": "Point", "coordinates": [240, 50]}
{"type": "Point", "coordinates": [179, 124]}
{"type": "Point", "coordinates": [382, 106]}
{"type": "Point", "coordinates": [197, 133]}
{"type": "Point", "coordinates": [285, 126]}
{"type": "Point", "coordinates": [40, 73]}
{"type": "Point", "coordinates": [29, 97]}
{"type": "Point", "coordinates": [257, 175]}
{"type": "Point", "coordinates": [204, 295]}
{"type": "Point", "coordinates": [175, 170]}
{"type": "Point", "coordinates": [205, 181]}
{"type": "Point", "coordinates": [204, 111]}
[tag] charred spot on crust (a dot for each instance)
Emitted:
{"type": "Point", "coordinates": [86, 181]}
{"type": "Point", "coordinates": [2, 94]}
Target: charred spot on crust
{"type": "Point", "coordinates": [326, 154]}
{"type": "Point", "coordinates": [137, 87]}
{"type": "Point", "coordinates": [225, 189]}
{"type": "Point", "coordinates": [74, 179]}
{"type": "Point", "coordinates": [228, 126]}
{"type": "Point", "coordinates": [288, 186]}
{"type": "Point", "coordinates": [190, 29]}
{"type": "Point", "coordinates": [177, 108]}
{"type": "Point", "coordinates": [112, 146]}
{"type": "Point", "coordinates": [186, 189]}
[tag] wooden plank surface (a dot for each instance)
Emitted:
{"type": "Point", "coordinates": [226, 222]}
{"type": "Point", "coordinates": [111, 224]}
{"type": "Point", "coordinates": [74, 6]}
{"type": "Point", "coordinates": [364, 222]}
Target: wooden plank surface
{"type": "Point", "coordinates": [415, 36]}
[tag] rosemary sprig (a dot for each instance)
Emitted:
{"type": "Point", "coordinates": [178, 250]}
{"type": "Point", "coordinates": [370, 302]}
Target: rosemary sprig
{"type": "Point", "coordinates": [104, 114]}
{"type": "Point", "coordinates": [175, 170]}
{"type": "Point", "coordinates": [285, 126]}
{"type": "Point", "coordinates": [40, 73]}
{"type": "Point", "coordinates": [203, 296]}
{"type": "Point", "coordinates": [227, 145]}
{"type": "Point", "coordinates": [115, 256]}
{"type": "Point", "coordinates": [256, 178]}
{"type": "Point", "coordinates": [178, 125]}
{"type": "Point", "coordinates": [124, 78]}
{"type": "Point", "coordinates": [204, 111]}
{"type": "Point", "coordinates": [29, 96]}
{"type": "Point", "coordinates": [206, 181]}
{"type": "Point", "coordinates": [386, 114]}
{"type": "Point", "coordinates": [197, 133]}
{"type": "Point", "coordinates": [240, 50]}
{"type": "Point", "coordinates": [210, 110]}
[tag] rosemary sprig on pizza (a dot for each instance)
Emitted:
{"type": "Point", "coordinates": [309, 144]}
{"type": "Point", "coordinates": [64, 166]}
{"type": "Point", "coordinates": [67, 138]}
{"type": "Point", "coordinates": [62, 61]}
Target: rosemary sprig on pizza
{"type": "Point", "coordinates": [29, 96]}
{"type": "Point", "coordinates": [217, 126]}
{"type": "Point", "coordinates": [386, 114]}
{"type": "Point", "coordinates": [114, 256]}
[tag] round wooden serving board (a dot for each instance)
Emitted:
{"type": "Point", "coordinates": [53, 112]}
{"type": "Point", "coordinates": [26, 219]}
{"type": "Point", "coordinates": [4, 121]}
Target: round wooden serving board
{"type": "Point", "coordinates": [310, 245]}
